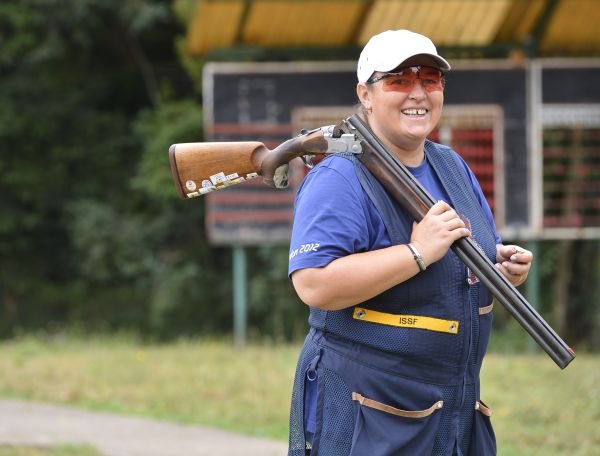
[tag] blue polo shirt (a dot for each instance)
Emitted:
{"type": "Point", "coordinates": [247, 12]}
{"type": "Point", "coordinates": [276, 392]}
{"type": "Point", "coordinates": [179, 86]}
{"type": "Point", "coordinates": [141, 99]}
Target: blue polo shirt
{"type": "Point", "coordinates": [334, 217]}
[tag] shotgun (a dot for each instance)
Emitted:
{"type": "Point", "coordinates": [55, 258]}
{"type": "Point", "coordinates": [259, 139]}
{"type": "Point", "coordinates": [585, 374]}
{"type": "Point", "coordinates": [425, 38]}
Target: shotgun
{"type": "Point", "coordinates": [199, 168]}
{"type": "Point", "coordinates": [411, 195]}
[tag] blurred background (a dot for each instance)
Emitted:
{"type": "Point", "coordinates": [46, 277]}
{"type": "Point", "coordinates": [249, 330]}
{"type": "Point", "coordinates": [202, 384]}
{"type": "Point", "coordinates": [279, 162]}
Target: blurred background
{"type": "Point", "coordinates": [115, 294]}
{"type": "Point", "coordinates": [93, 236]}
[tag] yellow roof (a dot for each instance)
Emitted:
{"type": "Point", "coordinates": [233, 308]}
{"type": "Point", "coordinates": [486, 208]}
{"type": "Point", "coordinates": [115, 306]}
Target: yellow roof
{"type": "Point", "coordinates": [543, 27]}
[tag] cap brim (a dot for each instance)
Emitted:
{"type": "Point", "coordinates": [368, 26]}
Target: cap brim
{"type": "Point", "coordinates": [440, 61]}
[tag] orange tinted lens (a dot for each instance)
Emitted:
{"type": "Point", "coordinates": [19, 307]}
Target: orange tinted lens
{"type": "Point", "coordinates": [431, 79]}
{"type": "Point", "coordinates": [403, 80]}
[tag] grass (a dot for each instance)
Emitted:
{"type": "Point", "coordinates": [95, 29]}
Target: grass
{"type": "Point", "coordinates": [61, 450]}
{"type": "Point", "coordinates": [541, 410]}
{"type": "Point", "coordinates": [208, 382]}
{"type": "Point", "coordinates": [538, 409]}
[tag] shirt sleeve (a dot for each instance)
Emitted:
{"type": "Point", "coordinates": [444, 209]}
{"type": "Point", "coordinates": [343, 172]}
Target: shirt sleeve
{"type": "Point", "coordinates": [329, 216]}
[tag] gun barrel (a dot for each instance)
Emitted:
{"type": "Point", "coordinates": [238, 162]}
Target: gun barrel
{"type": "Point", "coordinates": [401, 184]}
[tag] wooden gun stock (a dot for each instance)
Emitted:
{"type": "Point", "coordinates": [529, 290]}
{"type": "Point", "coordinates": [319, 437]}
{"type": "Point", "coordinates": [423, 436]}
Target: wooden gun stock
{"type": "Point", "coordinates": [202, 167]}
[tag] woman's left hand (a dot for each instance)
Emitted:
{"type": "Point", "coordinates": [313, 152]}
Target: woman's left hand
{"type": "Point", "coordinates": [514, 262]}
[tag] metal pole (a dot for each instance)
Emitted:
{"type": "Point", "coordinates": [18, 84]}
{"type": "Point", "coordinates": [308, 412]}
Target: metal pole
{"type": "Point", "coordinates": [535, 132]}
{"type": "Point", "coordinates": [239, 296]}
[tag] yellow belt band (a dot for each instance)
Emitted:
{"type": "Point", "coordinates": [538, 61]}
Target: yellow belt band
{"type": "Point", "coordinates": [406, 321]}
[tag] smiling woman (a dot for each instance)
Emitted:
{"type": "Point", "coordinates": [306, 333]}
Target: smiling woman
{"type": "Point", "coordinates": [399, 327]}
{"type": "Point", "coordinates": [402, 112]}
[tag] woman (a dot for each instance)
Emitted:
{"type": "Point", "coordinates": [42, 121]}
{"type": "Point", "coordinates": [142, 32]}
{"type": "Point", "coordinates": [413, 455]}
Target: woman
{"type": "Point", "coordinates": [399, 326]}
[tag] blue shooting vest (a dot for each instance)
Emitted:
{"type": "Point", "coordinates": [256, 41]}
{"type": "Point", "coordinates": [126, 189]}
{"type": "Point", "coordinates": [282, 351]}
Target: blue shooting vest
{"type": "Point", "coordinates": [386, 390]}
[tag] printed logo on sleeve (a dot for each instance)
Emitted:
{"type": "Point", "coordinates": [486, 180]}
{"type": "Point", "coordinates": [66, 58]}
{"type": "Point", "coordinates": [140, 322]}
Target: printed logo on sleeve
{"type": "Point", "coordinates": [305, 248]}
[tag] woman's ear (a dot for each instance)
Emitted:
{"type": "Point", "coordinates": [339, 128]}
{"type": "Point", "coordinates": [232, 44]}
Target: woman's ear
{"type": "Point", "coordinates": [363, 95]}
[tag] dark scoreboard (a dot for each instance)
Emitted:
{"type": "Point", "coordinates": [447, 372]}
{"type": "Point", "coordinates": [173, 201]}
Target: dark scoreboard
{"type": "Point", "coordinates": [256, 102]}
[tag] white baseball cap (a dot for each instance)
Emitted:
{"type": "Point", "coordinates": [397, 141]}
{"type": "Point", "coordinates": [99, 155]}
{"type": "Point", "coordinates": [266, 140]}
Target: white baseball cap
{"type": "Point", "coordinates": [387, 50]}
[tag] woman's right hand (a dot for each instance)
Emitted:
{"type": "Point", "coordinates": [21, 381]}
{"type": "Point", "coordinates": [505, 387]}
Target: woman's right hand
{"type": "Point", "coordinates": [438, 230]}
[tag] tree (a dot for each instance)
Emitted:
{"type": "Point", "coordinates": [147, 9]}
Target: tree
{"type": "Point", "coordinates": [92, 230]}
{"type": "Point", "coordinates": [74, 74]}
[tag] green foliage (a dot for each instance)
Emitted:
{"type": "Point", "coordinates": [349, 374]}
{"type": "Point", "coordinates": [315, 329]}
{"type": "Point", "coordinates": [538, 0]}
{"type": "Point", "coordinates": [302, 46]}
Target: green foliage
{"type": "Point", "coordinates": [74, 75]}
{"type": "Point", "coordinates": [274, 305]}
{"type": "Point", "coordinates": [583, 306]}
{"type": "Point", "coordinates": [158, 128]}
{"type": "Point", "coordinates": [92, 232]}
{"type": "Point", "coordinates": [86, 121]}
{"type": "Point", "coordinates": [185, 9]}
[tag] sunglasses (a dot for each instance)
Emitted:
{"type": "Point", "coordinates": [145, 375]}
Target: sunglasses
{"type": "Point", "coordinates": [403, 80]}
